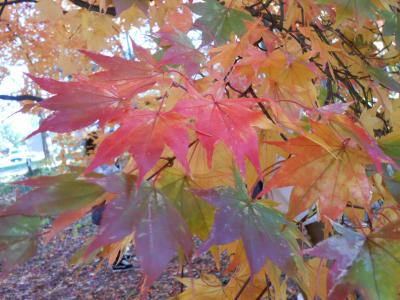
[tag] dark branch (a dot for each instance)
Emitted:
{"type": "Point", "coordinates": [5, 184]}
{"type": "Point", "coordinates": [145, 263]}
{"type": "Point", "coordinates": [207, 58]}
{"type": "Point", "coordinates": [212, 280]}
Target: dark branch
{"type": "Point", "coordinates": [110, 11]}
{"type": "Point", "coordinates": [21, 98]}
{"type": "Point", "coordinates": [16, 2]}
{"type": "Point", "coordinates": [3, 7]}
{"type": "Point", "coordinates": [242, 288]}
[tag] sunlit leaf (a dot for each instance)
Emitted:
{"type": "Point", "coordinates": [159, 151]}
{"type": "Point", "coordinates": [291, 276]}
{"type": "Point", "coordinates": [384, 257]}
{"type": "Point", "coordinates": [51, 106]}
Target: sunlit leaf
{"type": "Point", "coordinates": [218, 22]}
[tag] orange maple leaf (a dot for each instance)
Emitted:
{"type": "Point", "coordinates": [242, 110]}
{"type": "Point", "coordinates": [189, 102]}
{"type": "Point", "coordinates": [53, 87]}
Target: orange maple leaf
{"type": "Point", "coordinates": [329, 178]}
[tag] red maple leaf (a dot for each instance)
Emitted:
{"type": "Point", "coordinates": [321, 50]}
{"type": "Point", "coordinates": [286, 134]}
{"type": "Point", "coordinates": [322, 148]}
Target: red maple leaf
{"type": "Point", "coordinates": [77, 104]}
{"type": "Point", "coordinates": [129, 77]}
{"type": "Point", "coordinates": [144, 134]}
{"type": "Point", "coordinates": [231, 121]}
{"type": "Point", "coordinates": [103, 96]}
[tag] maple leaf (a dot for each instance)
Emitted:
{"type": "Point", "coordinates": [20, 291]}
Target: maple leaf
{"type": "Point", "coordinates": [320, 47]}
{"type": "Point", "coordinates": [49, 11]}
{"type": "Point", "coordinates": [17, 240]}
{"type": "Point", "coordinates": [202, 177]}
{"type": "Point", "coordinates": [116, 183]}
{"type": "Point", "coordinates": [391, 145]}
{"type": "Point", "coordinates": [210, 287]}
{"type": "Point", "coordinates": [231, 121]}
{"type": "Point", "coordinates": [77, 104]}
{"type": "Point", "coordinates": [227, 54]}
{"type": "Point", "coordinates": [179, 51]}
{"type": "Point", "coordinates": [89, 30]}
{"type": "Point", "coordinates": [349, 128]}
{"type": "Point", "coordinates": [333, 178]}
{"type": "Point", "coordinates": [121, 5]}
{"type": "Point", "coordinates": [197, 213]}
{"type": "Point", "coordinates": [288, 69]}
{"type": "Point", "coordinates": [391, 142]}
{"type": "Point", "coordinates": [177, 47]}
{"type": "Point", "coordinates": [83, 93]}
{"type": "Point", "coordinates": [70, 120]}
{"type": "Point", "coordinates": [362, 9]}
{"type": "Point", "coordinates": [206, 287]}
{"type": "Point", "coordinates": [178, 18]}
{"type": "Point", "coordinates": [54, 195]}
{"type": "Point", "coordinates": [144, 134]}
{"type": "Point", "coordinates": [264, 231]}
{"type": "Point", "coordinates": [361, 263]}
{"type": "Point", "coordinates": [248, 284]}
{"type": "Point", "coordinates": [129, 77]}
{"type": "Point", "coordinates": [382, 77]}
{"type": "Point", "coordinates": [113, 185]}
{"type": "Point", "coordinates": [315, 279]}
{"type": "Point", "coordinates": [158, 228]}
{"type": "Point", "coordinates": [217, 22]}
{"type": "Point", "coordinates": [392, 25]}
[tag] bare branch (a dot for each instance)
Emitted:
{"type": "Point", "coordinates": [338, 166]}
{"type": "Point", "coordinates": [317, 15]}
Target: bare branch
{"type": "Point", "coordinates": [21, 98]}
{"type": "Point", "coordinates": [3, 7]}
{"type": "Point", "coordinates": [242, 288]}
{"type": "Point", "coordinates": [110, 10]}
{"type": "Point", "coordinates": [16, 2]}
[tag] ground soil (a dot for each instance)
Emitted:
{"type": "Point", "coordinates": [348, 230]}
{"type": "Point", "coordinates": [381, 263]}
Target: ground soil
{"type": "Point", "coordinates": [49, 275]}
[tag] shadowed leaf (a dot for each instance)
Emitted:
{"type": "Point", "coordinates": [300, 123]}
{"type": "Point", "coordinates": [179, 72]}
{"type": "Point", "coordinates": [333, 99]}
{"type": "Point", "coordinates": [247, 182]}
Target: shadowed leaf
{"type": "Point", "coordinates": [17, 240]}
{"type": "Point", "coordinates": [54, 195]}
{"type": "Point", "coordinates": [158, 229]}
{"type": "Point", "coordinates": [264, 231]}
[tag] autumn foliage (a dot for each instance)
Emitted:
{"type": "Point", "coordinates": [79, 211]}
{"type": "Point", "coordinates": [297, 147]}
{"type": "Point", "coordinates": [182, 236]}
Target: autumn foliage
{"type": "Point", "coordinates": [242, 125]}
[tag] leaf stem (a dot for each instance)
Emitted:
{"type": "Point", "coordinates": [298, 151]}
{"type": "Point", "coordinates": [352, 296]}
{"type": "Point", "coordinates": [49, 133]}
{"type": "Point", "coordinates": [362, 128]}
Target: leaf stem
{"type": "Point", "coordinates": [169, 163]}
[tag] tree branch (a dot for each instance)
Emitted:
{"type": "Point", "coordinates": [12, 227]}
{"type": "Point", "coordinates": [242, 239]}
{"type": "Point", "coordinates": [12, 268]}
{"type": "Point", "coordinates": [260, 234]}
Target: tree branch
{"type": "Point", "coordinates": [169, 163]}
{"type": "Point", "coordinates": [110, 10]}
{"type": "Point", "coordinates": [242, 288]}
{"type": "Point", "coordinates": [3, 7]}
{"type": "Point", "coordinates": [16, 2]}
{"type": "Point", "coordinates": [21, 98]}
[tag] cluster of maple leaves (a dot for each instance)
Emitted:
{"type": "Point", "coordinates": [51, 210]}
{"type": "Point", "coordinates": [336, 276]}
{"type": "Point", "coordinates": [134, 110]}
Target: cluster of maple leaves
{"type": "Point", "coordinates": [283, 115]}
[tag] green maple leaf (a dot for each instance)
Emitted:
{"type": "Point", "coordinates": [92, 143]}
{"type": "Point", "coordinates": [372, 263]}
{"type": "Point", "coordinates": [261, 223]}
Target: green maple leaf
{"type": "Point", "coordinates": [217, 22]}
{"type": "Point", "coordinates": [382, 77]}
{"type": "Point", "coordinates": [368, 264]}
{"type": "Point", "coordinates": [17, 240]}
{"type": "Point", "coordinates": [362, 9]}
{"type": "Point", "coordinates": [197, 213]}
{"type": "Point", "coordinates": [53, 195]}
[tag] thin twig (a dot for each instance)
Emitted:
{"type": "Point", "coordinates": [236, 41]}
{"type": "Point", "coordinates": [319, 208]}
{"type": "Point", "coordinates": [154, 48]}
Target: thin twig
{"type": "Point", "coordinates": [242, 288]}
{"type": "Point", "coordinates": [265, 289]}
{"type": "Point", "coordinates": [168, 164]}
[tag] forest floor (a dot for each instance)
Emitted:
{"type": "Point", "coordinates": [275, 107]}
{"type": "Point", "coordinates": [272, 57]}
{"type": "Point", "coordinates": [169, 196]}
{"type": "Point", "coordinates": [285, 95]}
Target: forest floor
{"type": "Point", "coordinates": [49, 274]}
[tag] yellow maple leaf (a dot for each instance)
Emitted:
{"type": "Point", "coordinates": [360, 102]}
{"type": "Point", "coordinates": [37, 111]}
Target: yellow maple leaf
{"type": "Point", "coordinates": [49, 10]}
